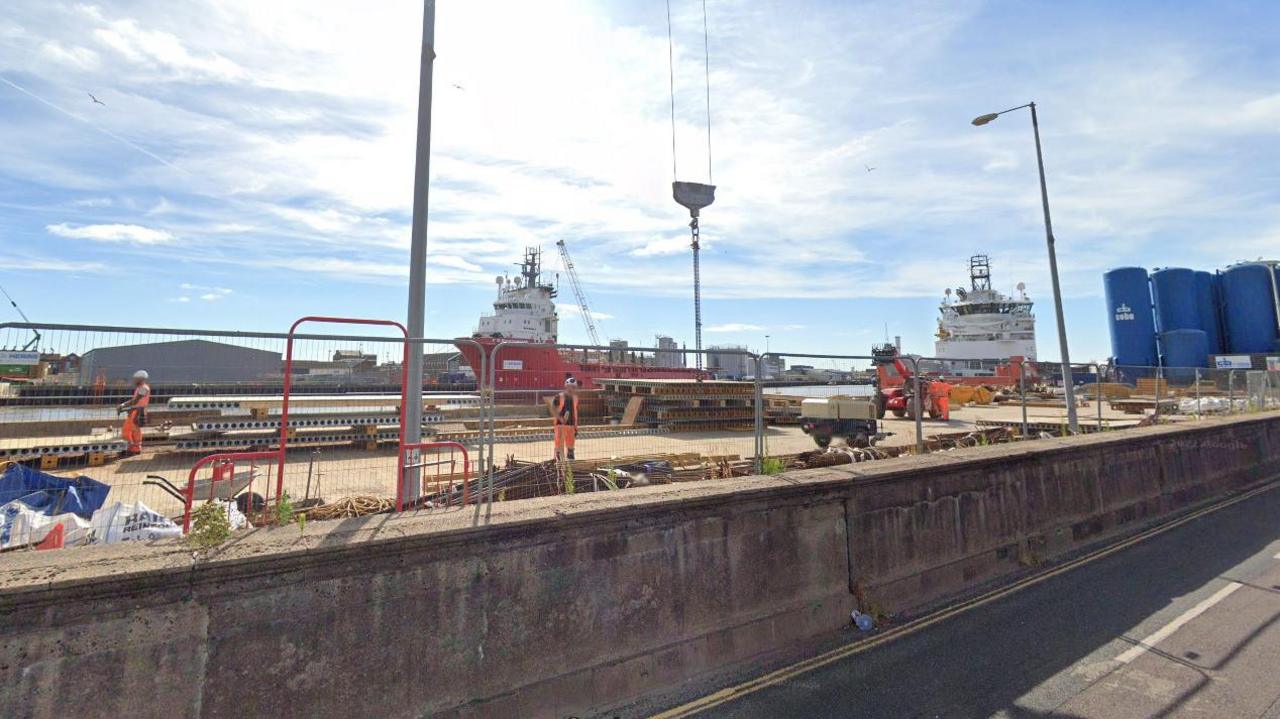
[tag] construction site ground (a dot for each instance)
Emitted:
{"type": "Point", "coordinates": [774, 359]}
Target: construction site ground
{"type": "Point", "coordinates": [347, 471]}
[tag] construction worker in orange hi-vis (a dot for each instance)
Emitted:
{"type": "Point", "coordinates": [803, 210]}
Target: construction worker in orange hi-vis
{"type": "Point", "coordinates": [940, 393]}
{"type": "Point", "coordinates": [136, 406]}
{"type": "Point", "coordinates": [566, 418]}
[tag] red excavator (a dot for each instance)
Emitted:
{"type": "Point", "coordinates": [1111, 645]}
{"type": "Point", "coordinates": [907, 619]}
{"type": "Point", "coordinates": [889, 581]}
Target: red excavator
{"type": "Point", "coordinates": [895, 385]}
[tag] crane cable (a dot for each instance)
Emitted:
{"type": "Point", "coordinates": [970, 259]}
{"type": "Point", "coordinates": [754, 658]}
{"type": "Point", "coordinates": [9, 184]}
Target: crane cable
{"type": "Point", "coordinates": [706, 67]}
{"type": "Point", "coordinates": [671, 79]}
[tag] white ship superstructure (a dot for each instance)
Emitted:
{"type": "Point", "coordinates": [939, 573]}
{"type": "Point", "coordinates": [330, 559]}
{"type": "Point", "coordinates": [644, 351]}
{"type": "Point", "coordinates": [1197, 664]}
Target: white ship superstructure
{"type": "Point", "coordinates": [983, 324]}
{"type": "Point", "coordinates": [525, 309]}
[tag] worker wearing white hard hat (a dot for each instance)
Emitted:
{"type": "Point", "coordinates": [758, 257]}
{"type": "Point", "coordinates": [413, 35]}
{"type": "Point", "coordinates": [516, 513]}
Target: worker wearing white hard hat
{"type": "Point", "coordinates": [136, 406]}
{"type": "Point", "coordinates": [565, 417]}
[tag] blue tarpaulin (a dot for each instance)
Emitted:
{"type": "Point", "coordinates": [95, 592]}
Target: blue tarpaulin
{"type": "Point", "coordinates": [52, 495]}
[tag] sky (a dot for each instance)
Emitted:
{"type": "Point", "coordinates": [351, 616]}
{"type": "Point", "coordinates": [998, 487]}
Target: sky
{"type": "Point", "coordinates": [252, 162]}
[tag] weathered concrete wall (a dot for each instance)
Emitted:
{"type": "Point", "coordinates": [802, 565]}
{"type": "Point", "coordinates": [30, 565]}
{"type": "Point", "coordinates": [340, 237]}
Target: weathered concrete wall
{"type": "Point", "coordinates": [919, 536]}
{"type": "Point", "coordinates": [572, 605]}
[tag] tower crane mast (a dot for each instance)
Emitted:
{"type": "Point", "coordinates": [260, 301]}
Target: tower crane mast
{"type": "Point", "coordinates": [578, 293]}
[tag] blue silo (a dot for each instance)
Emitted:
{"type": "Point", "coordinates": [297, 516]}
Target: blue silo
{"type": "Point", "coordinates": [1249, 307]}
{"type": "Point", "coordinates": [1207, 304]}
{"type": "Point", "coordinates": [1133, 330]}
{"type": "Point", "coordinates": [1182, 349]}
{"type": "Point", "coordinates": [1173, 291]}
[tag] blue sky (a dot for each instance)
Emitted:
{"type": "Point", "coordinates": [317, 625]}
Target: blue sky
{"type": "Point", "coordinates": [253, 161]}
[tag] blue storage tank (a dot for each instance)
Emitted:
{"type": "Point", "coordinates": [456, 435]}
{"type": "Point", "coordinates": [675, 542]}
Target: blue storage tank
{"type": "Point", "coordinates": [1173, 291]}
{"type": "Point", "coordinates": [1249, 308]}
{"type": "Point", "coordinates": [1184, 348]}
{"type": "Point", "coordinates": [1207, 304]}
{"type": "Point", "coordinates": [1132, 326]}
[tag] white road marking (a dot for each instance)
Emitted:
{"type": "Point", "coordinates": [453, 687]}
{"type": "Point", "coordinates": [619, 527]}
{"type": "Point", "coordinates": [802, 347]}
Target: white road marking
{"type": "Point", "coordinates": [1155, 637]}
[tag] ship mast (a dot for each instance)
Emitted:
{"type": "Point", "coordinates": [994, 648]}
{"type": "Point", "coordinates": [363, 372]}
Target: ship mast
{"type": "Point", "coordinates": [980, 272]}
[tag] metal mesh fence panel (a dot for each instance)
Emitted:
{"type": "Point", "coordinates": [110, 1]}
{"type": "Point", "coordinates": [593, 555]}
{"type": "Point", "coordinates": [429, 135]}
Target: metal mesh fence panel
{"type": "Point", "coordinates": [219, 393]}
{"type": "Point", "coordinates": [639, 416]}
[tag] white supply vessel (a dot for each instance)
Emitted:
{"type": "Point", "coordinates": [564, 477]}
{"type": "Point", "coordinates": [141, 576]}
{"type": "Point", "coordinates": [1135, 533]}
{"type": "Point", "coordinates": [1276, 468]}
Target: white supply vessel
{"type": "Point", "coordinates": [984, 324]}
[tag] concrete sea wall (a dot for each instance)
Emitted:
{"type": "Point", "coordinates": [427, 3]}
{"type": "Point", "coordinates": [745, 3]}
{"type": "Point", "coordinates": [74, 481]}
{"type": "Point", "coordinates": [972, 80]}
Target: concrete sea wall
{"type": "Point", "coordinates": [571, 606]}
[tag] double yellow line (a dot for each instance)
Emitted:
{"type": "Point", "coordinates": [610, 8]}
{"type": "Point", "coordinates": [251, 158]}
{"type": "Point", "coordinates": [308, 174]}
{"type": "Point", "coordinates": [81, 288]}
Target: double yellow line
{"type": "Point", "coordinates": [781, 675]}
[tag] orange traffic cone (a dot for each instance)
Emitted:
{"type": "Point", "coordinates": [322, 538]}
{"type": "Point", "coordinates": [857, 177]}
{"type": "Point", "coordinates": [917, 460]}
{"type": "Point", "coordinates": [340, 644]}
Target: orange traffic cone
{"type": "Point", "coordinates": [54, 539]}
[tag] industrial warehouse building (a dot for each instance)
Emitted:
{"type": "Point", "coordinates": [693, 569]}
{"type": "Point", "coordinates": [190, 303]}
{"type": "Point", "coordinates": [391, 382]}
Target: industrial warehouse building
{"type": "Point", "coordinates": [182, 361]}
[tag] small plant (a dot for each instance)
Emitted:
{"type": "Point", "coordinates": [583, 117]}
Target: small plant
{"type": "Point", "coordinates": [284, 510]}
{"type": "Point", "coordinates": [772, 465]}
{"type": "Point", "coordinates": [210, 526]}
{"type": "Point", "coordinates": [285, 513]}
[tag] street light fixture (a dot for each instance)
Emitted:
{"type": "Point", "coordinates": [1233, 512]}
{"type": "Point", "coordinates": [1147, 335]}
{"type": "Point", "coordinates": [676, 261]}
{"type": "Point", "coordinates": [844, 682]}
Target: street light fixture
{"type": "Point", "coordinates": [1053, 262]}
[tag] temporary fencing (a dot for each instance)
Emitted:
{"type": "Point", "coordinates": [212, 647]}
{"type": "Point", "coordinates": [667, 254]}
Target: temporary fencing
{"type": "Point", "coordinates": [794, 377]}
{"type": "Point", "coordinates": [1194, 392]}
{"type": "Point", "coordinates": [314, 422]}
{"type": "Point", "coordinates": [641, 412]}
{"type": "Point", "coordinates": [223, 393]}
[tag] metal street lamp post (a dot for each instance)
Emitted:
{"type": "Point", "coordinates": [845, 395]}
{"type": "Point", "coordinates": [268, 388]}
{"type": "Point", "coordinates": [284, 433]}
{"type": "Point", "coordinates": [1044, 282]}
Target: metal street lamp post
{"type": "Point", "coordinates": [1053, 263]}
{"type": "Point", "coordinates": [418, 244]}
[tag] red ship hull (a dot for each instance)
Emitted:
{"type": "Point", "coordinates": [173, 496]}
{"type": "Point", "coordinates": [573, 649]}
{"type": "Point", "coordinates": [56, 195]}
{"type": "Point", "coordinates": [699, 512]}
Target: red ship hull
{"type": "Point", "coordinates": [544, 366]}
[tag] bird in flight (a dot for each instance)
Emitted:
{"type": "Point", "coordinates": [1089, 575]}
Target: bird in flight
{"type": "Point", "coordinates": [869, 168]}
{"type": "Point", "coordinates": [100, 102]}
{"type": "Point", "coordinates": [459, 86]}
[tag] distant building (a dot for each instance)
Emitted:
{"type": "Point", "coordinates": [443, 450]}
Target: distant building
{"type": "Point", "coordinates": [773, 366]}
{"type": "Point", "coordinates": [618, 350]}
{"type": "Point", "coordinates": [729, 361]}
{"type": "Point", "coordinates": [669, 354]}
{"type": "Point", "coordinates": [61, 364]}
{"type": "Point", "coordinates": [809, 373]}
{"type": "Point", "coordinates": [355, 359]}
{"type": "Point", "coordinates": [450, 365]}
{"type": "Point", "coordinates": [181, 362]}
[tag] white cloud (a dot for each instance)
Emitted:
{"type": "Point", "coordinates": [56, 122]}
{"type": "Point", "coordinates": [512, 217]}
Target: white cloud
{"type": "Point", "coordinates": [207, 293]}
{"type": "Point", "coordinates": [663, 246]}
{"type": "Point", "coordinates": [45, 264]}
{"type": "Point", "coordinates": [567, 309]}
{"type": "Point", "coordinates": [161, 49]}
{"type": "Point", "coordinates": [734, 327]}
{"type": "Point", "coordinates": [93, 202]}
{"type": "Point", "coordinates": [80, 58]}
{"type": "Point", "coordinates": [135, 234]}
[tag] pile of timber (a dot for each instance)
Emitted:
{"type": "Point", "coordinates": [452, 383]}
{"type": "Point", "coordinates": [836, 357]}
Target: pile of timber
{"type": "Point", "coordinates": [682, 405]}
{"type": "Point", "coordinates": [1152, 387]}
{"type": "Point", "coordinates": [1107, 390]}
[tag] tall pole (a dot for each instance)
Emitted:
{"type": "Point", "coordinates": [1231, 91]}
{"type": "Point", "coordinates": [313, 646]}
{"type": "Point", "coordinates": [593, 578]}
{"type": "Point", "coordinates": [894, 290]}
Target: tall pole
{"type": "Point", "coordinates": [697, 296]}
{"type": "Point", "coordinates": [418, 243]}
{"type": "Point", "coordinates": [1072, 421]}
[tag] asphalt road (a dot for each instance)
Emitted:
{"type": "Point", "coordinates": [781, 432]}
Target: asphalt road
{"type": "Point", "coordinates": [1186, 623]}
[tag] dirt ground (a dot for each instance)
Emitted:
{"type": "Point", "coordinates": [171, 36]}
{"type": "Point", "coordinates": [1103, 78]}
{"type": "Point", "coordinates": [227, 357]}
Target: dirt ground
{"type": "Point", "coordinates": [337, 472]}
